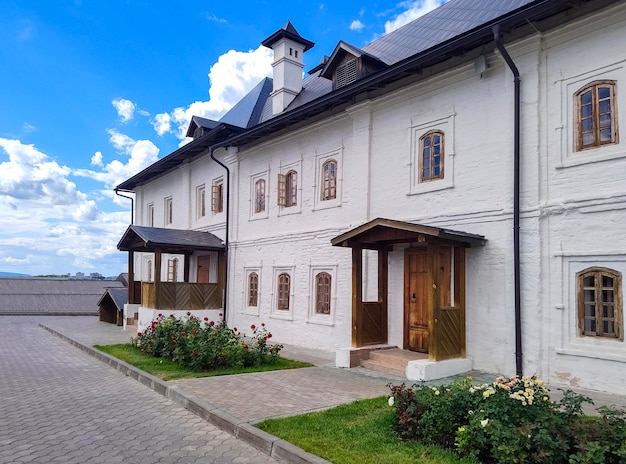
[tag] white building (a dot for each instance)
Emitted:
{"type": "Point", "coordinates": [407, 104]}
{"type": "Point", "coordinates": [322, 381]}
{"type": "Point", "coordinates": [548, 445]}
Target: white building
{"type": "Point", "coordinates": [468, 170]}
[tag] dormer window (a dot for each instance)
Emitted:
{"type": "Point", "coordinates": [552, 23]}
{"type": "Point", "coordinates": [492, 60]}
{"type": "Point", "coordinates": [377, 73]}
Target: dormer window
{"type": "Point", "coordinates": [346, 73]}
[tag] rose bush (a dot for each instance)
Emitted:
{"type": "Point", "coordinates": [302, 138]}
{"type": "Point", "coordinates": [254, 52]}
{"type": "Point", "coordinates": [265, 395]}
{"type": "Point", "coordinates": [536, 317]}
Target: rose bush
{"type": "Point", "coordinates": [205, 345]}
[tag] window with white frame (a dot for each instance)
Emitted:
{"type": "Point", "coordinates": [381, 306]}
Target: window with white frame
{"type": "Point", "coordinates": [432, 155]}
{"type": "Point", "coordinates": [259, 195]}
{"type": "Point", "coordinates": [200, 201]}
{"type": "Point", "coordinates": [288, 189]}
{"type": "Point", "coordinates": [252, 290]}
{"type": "Point", "coordinates": [322, 294]}
{"type": "Point", "coordinates": [169, 211]}
{"type": "Point", "coordinates": [150, 215]}
{"type": "Point", "coordinates": [172, 270]}
{"type": "Point", "coordinates": [282, 305]}
{"type": "Point", "coordinates": [600, 312]}
{"type": "Point", "coordinates": [217, 196]}
{"type": "Point", "coordinates": [328, 182]}
{"type": "Point", "coordinates": [596, 115]}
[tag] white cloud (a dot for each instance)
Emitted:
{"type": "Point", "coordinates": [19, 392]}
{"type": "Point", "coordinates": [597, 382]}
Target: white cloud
{"type": "Point", "coordinates": [415, 10]}
{"type": "Point", "coordinates": [142, 153]}
{"type": "Point", "coordinates": [96, 159]}
{"type": "Point", "coordinates": [125, 109]}
{"type": "Point", "coordinates": [28, 127]}
{"type": "Point", "coordinates": [231, 77]}
{"type": "Point", "coordinates": [213, 17]}
{"type": "Point", "coordinates": [356, 25]}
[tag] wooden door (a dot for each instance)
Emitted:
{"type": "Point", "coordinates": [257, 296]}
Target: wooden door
{"type": "Point", "coordinates": [203, 270]}
{"type": "Point", "coordinates": [418, 301]}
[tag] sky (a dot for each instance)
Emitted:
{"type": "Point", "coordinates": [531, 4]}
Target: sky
{"type": "Point", "coordinates": [94, 91]}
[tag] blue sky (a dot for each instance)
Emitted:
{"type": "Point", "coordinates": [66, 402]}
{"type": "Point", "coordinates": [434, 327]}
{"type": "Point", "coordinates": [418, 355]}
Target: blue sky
{"type": "Point", "coordinates": [93, 91]}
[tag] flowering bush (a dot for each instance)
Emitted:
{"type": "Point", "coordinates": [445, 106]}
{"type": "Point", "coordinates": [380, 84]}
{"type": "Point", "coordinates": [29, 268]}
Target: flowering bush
{"type": "Point", "coordinates": [205, 345]}
{"type": "Point", "coordinates": [511, 420]}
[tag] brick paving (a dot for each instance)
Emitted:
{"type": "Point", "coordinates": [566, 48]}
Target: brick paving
{"type": "Point", "coordinates": [59, 405]}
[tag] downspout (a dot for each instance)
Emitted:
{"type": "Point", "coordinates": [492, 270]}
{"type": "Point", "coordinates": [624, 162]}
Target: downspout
{"type": "Point", "coordinates": [516, 197]}
{"type": "Point", "coordinates": [132, 205]}
{"type": "Point", "coordinates": [211, 151]}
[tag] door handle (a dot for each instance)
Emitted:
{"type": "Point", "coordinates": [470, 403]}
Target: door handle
{"type": "Point", "coordinates": [413, 297]}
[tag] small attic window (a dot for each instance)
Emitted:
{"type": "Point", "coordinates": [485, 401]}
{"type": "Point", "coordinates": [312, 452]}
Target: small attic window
{"type": "Point", "coordinates": [346, 73]}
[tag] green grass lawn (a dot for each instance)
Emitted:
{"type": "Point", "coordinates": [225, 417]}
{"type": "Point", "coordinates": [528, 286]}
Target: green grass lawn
{"type": "Point", "coordinates": [356, 433]}
{"type": "Point", "coordinates": [168, 370]}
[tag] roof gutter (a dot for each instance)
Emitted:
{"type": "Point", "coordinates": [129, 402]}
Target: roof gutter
{"type": "Point", "coordinates": [516, 197]}
{"type": "Point", "coordinates": [132, 204]}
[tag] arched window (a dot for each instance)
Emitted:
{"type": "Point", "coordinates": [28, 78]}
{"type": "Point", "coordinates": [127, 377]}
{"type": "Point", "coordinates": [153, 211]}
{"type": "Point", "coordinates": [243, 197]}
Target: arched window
{"type": "Point", "coordinates": [284, 288]}
{"type": "Point", "coordinates": [600, 303]}
{"type": "Point", "coordinates": [253, 289]}
{"type": "Point", "coordinates": [149, 265]}
{"type": "Point", "coordinates": [322, 293]}
{"type": "Point", "coordinates": [431, 156]}
{"type": "Point", "coordinates": [288, 189]}
{"type": "Point", "coordinates": [596, 115]}
{"type": "Point", "coordinates": [329, 180]}
{"type": "Point", "coordinates": [259, 196]}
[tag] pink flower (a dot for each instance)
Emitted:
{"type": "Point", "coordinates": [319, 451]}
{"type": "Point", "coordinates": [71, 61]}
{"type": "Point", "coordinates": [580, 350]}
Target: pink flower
{"type": "Point", "coordinates": [269, 335]}
{"type": "Point", "coordinates": [262, 324]}
{"type": "Point", "coordinates": [194, 332]}
{"type": "Point", "coordinates": [212, 323]}
{"type": "Point", "coordinates": [195, 352]}
{"type": "Point", "coordinates": [234, 329]}
{"type": "Point", "coordinates": [206, 318]}
{"type": "Point", "coordinates": [139, 334]}
{"type": "Point", "coordinates": [220, 314]}
{"type": "Point", "coordinates": [253, 326]}
{"type": "Point", "coordinates": [245, 347]}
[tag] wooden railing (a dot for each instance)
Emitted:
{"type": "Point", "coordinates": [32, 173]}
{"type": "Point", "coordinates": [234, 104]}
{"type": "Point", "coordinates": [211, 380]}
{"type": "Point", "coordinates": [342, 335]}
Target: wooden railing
{"type": "Point", "coordinates": [181, 295]}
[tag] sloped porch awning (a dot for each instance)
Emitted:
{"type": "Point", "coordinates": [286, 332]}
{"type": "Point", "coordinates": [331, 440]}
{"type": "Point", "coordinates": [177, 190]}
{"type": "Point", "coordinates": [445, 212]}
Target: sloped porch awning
{"type": "Point", "coordinates": [381, 231]}
{"type": "Point", "coordinates": [151, 239]}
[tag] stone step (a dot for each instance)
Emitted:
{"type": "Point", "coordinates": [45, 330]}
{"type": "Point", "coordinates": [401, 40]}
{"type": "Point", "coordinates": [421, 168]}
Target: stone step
{"type": "Point", "coordinates": [382, 367]}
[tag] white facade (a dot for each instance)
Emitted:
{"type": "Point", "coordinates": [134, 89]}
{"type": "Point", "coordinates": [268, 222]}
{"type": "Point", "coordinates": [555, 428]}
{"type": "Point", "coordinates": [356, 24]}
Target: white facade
{"type": "Point", "coordinates": [573, 205]}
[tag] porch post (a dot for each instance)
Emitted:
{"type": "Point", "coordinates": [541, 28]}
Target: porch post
{"type": "Point", "coordinates": [157, 279]}
{"type": "Point", "coordinates": [131, 277]}
{"type": "Point", "coordinates": [383, 286]}
{"type": "Point", "coordinates": [186, 267]}
{"type": "Point", "coordinates": [357, 295]}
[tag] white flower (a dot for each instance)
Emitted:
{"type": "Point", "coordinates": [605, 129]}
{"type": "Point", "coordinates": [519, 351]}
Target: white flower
{"type": "Point", "coordinates": [390, 401]}
{"type": "Point", "coordinates": [484, 422]}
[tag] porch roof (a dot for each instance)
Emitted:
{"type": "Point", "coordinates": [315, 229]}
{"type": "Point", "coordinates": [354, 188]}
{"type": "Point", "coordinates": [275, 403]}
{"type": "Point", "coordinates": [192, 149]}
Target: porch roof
{"type": "Point", "coordinates": [150, 239]}
{"type": "Point", "coordinates": [388, 231]}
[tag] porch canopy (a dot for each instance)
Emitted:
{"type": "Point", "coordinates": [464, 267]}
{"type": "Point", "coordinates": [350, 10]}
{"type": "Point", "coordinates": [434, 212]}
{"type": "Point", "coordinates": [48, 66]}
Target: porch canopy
{"type": "Point", "coordinates": [382, 231]}
{"type": "Point", "coordinates": [160, 240]}
{"type": "Point", "coordinates": [434, 285]}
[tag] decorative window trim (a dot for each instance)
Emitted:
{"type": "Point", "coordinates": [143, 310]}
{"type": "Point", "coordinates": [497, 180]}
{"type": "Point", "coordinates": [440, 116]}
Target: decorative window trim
{"type": "Point", "coordinates": [314, 317]}
{"type": "Point", "coordinates": [594, 117]}
{"type": "Point", "coordinates": [284, 210]}
{"type": "Point", "coordinates": [599, 291]}
{"type": "Point", "coordinates": [168, 211]}
{"type": "Point", "coordinates": [286, 314]}
{"type": "Point", "coordinates": [217, 196]}
{"type": "Point", "coordinates": [445, 126]}
{"type": "Point", "coordinates": [254, 183]}
{"type": "Point", "coordinates": [320, 186]}
{"type": "Point", "coordinates": [150, 214]}
{"type": "Point", "coordinates": [569, 86]}
{"type": "Point", "coordinates": [429, 160]}
{"type": "Point", "coordinates": [247, 309]}
{"type": "Point", "coordinates": [200, 201]}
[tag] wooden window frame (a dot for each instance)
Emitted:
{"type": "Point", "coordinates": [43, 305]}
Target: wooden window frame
{"type": "Point", "coordinates": [595, 115]}
{"type": "Point", "coordinates": [172, 270]}
{"type": "Point", "coordinates": [253, 290]}
{"type": "Point", "coordinates": [149, 268]}
{"type": "Point", "coordinates": [329, 180]}
{"type": "Point", "coordinates": [426, 173]}
{"type": "Point", "coordinates": [288, 189]}
{"type": "Point", "coordinates": [259, 196]}
{"type": "Point", "coordinates": [217, 197]}
{"type": "Point", "coordinates": [323, 293]}
{"type": "Point", "coordinates": [150, 214]}
{"type": "Point", "coordinates": [283, 291]}
{"type": "Point", "coordinates": [600, 300]}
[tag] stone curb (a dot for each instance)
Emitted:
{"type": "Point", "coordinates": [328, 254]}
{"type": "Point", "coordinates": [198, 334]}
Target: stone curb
{"type": "Point", "coordinates": [275, 447]}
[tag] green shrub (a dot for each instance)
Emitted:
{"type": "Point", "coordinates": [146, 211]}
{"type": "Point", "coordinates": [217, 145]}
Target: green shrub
{"type": "Point", "coordinates": [511, 420]}
{"type": "Point", "coordinates": [206, 345]}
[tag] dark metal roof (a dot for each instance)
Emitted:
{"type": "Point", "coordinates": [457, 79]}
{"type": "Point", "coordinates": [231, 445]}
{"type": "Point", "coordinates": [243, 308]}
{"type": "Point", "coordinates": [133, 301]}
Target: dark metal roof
{"type": "Point", "coordinates": [197, 121]}
{"type": "Point", "coordinates": [448, 31]}
{"type": "Point", "coordinates": [383, 231]}
{"type": "Point", "coordinates": [342, 48]}
{"type": "Point", "coordinates": [247, 112]}
{"type": "Point", "coordinates": [288, 32]}
{"type": "Point", "coordinates": [119, 297]}
{"type": "Point", "coordinates": [150, 239]}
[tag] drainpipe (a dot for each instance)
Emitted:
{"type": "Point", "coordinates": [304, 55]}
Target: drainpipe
{"type": "Point", "coordinates": [132, 205]}
{"type": "Point", "coordinates": [516, 197]}
{"type": "Point", "coordinates": [211, 150]}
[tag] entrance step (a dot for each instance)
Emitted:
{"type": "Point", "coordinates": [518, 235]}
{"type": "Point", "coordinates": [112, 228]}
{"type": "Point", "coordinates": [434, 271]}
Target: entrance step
{"type": "Point", "coordinates": [391, 361]}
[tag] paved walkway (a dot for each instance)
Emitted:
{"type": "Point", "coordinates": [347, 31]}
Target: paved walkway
{"type": "Point", "coordinates": [235, 402]}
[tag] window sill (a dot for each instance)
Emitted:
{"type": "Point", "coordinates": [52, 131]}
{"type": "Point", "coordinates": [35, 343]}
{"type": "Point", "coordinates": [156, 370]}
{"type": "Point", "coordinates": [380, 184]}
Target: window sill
{"type": "Point", "coordinates": [283, 317]}
{"type": "Point", "coordinates": [289, 210]}
{"type": "Point", "coordinates": [317, 321]}
{"type": "Point", "coordinates": [584, 352]}
{"type": "Point", "coordinates": [593, 155]}
{"type": "Point", "coordinates": [251, 310]}
{"type": "Point", "coordinates": [431, 186]}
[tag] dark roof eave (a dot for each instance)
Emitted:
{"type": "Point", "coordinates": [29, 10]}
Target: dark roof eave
{"type": "Point", "coordinates": [466, 41]}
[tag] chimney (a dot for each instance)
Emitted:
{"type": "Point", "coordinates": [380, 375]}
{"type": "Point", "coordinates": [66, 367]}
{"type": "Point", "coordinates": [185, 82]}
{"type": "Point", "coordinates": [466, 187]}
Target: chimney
{"type": "Point", "coordinates": [289, 48]}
